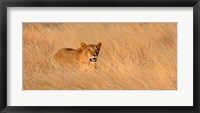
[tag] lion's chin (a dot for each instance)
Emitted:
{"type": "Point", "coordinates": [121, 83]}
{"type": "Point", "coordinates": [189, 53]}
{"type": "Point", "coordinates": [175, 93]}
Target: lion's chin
{"type": "Point", "coordinates": [93, 59]}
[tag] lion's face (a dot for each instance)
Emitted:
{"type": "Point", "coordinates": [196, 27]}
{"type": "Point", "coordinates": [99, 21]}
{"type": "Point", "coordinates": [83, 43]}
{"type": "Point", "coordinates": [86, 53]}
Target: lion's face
{"type": "Point", "coordinates": [91, 51]}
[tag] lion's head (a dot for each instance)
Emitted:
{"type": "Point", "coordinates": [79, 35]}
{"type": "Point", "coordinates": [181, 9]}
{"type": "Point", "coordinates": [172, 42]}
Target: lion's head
{"type": "Point", "coordinates": [91, 51]}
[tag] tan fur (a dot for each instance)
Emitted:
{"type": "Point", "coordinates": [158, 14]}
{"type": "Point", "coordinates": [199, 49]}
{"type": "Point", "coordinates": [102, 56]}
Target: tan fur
{"type": "Point", "coordinates": [80, 57]}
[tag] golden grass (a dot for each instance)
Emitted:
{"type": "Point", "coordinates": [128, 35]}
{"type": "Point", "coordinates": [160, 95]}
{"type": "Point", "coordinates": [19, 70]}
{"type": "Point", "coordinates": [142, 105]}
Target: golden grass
{"type": "Point", "coordinates": [134, 56]}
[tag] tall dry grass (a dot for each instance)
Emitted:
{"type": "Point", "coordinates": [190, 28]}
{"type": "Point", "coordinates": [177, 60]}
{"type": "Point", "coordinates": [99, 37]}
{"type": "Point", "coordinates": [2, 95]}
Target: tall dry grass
{"type": "Point", "coordinates": [134, 56]}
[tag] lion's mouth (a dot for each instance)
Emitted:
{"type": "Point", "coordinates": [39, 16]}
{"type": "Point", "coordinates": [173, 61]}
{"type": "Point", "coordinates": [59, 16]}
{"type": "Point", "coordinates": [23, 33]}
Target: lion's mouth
{"type": "Point", "coordinates": [93, 59]}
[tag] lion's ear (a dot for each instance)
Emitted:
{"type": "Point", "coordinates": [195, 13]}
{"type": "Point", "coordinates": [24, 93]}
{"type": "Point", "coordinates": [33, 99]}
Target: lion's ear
{"type": "Point", "coordinates": [99, 45]}
{"type": "Point", "coordinates": [83, 45]}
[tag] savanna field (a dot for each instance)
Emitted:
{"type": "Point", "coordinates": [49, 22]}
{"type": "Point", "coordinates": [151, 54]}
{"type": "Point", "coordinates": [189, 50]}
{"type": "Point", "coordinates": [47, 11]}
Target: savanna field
{"type": "Point", "coordinates": [133, 56]}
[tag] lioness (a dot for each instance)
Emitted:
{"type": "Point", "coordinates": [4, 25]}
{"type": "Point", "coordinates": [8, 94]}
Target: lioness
{"type": "Point", "coordinates": [84, 56]}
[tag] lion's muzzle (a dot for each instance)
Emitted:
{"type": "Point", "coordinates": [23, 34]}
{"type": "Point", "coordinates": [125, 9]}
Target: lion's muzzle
{"type": "Point", "coordinates": [93, 59]}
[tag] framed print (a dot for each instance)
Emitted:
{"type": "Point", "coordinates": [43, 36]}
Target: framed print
{"type": "Point", "coordinates": [99, 56]}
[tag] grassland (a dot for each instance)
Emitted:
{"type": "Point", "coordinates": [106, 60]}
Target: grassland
{"type": "Point", "coordinates": [134, 56]}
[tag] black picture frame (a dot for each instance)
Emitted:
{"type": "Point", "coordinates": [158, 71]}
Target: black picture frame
{"type": "Point", "coordinates": [99, 3]}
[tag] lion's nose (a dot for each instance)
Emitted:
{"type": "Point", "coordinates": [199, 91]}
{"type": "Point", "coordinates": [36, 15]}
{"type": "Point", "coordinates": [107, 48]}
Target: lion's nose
{"type": "Point", "coordinates": [94, 56]}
